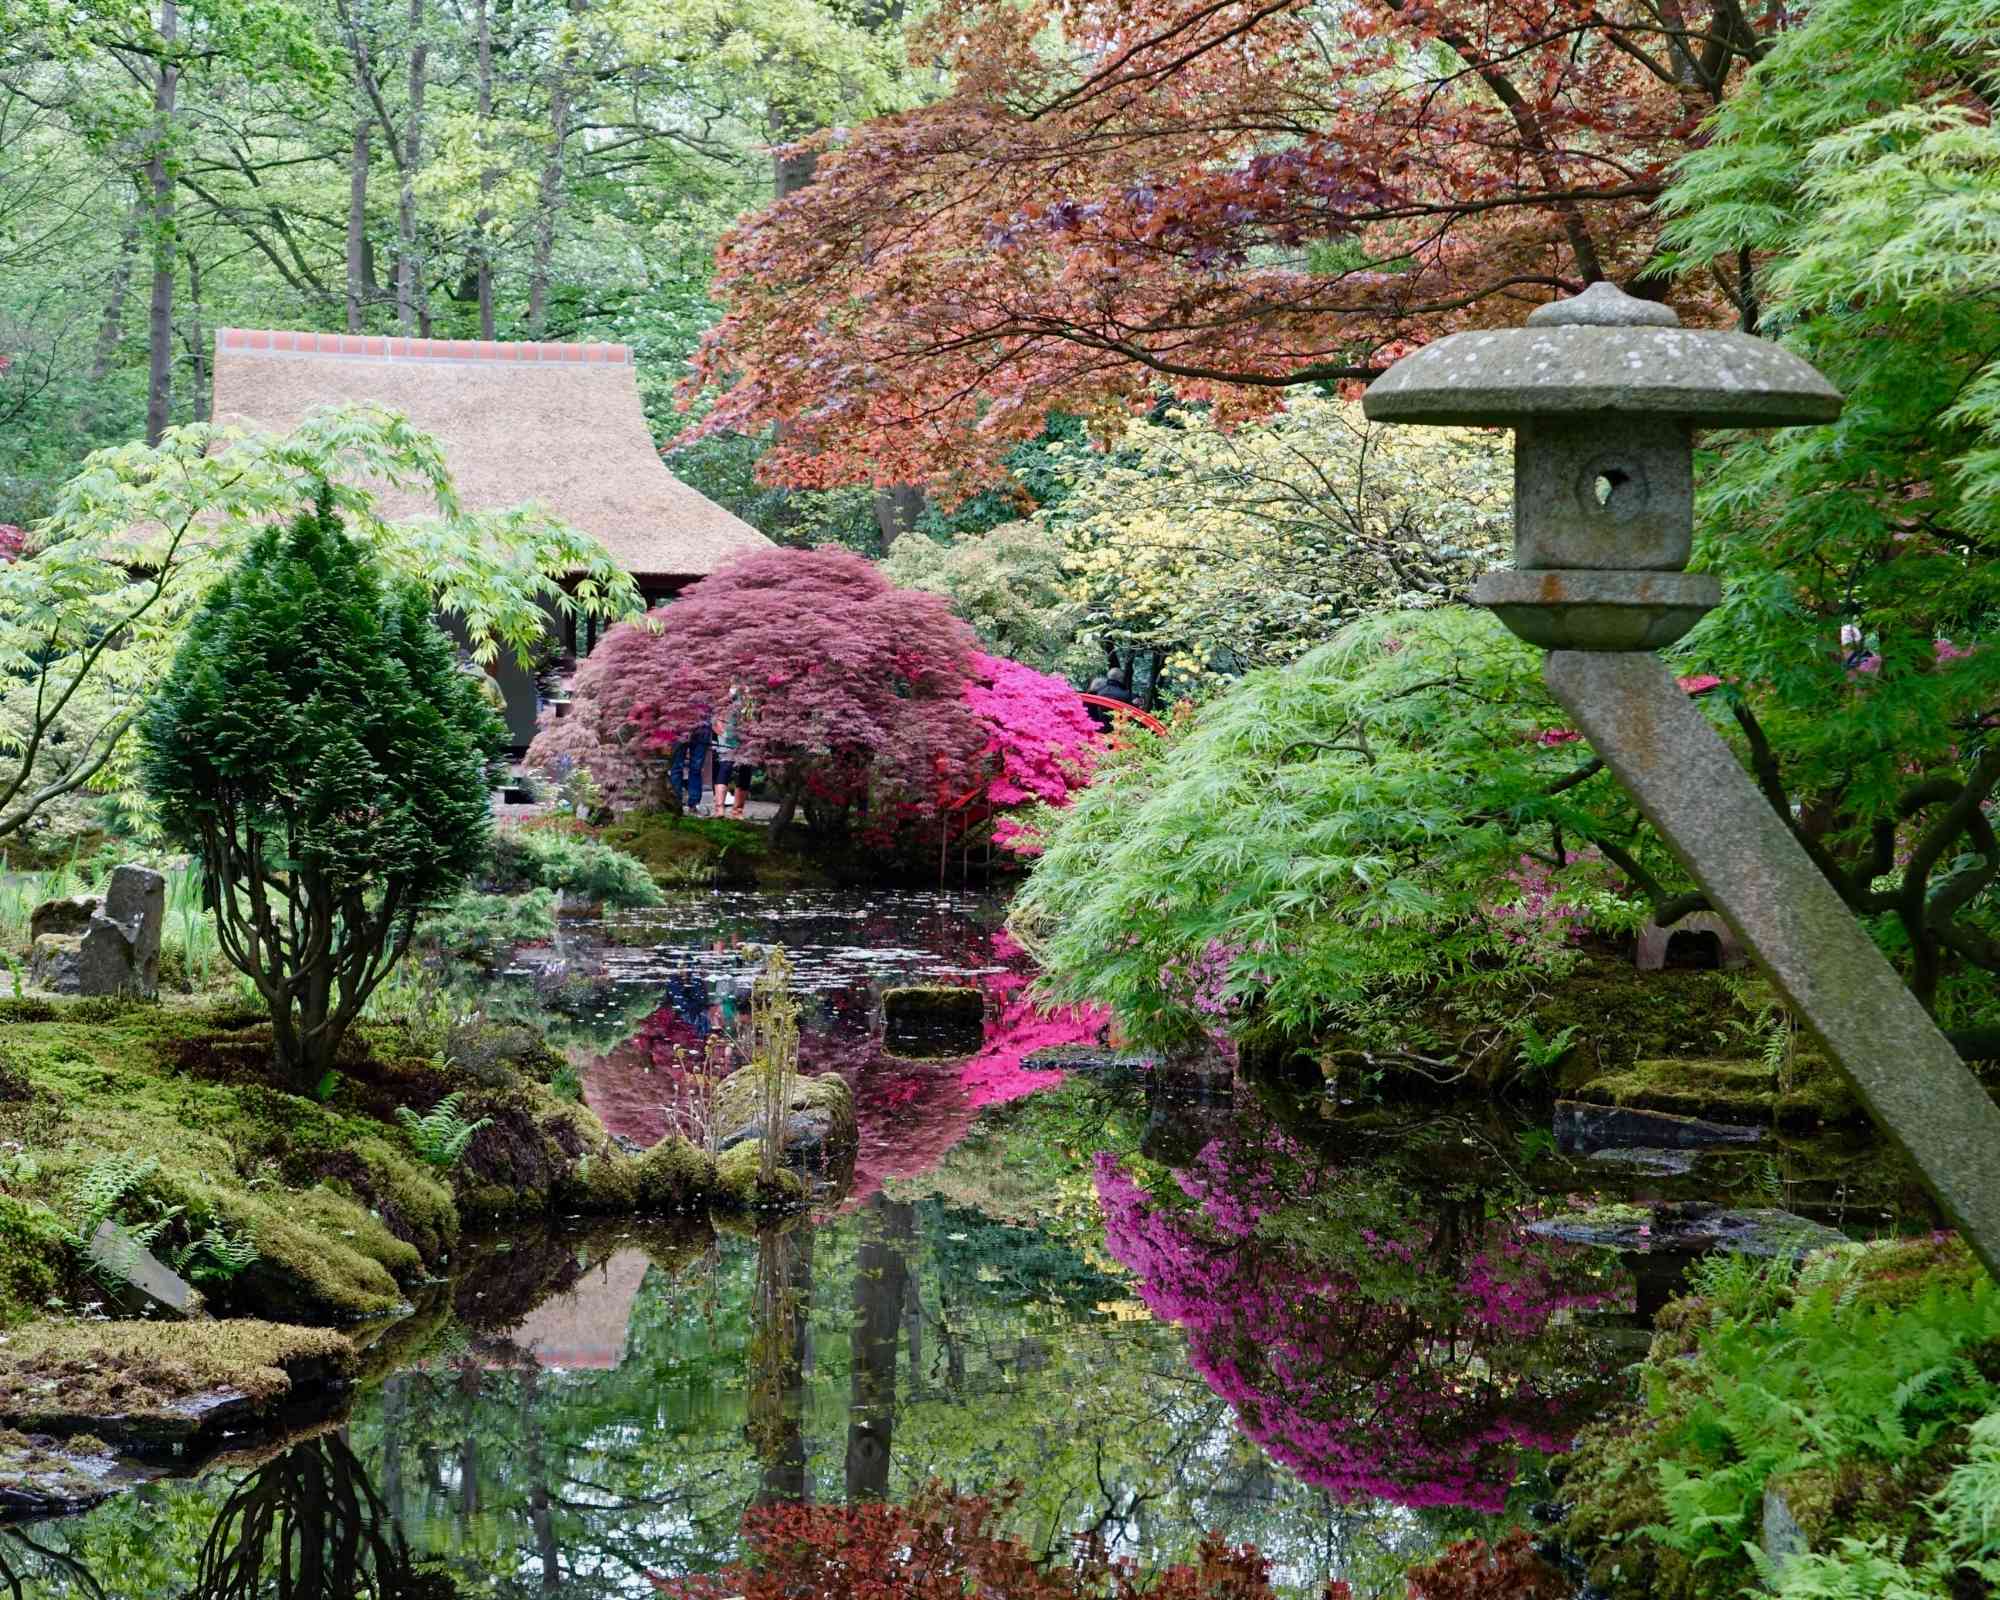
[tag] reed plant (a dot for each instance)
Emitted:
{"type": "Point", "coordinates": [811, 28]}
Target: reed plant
{"type": "Point", "coordinates": [772, 1044]}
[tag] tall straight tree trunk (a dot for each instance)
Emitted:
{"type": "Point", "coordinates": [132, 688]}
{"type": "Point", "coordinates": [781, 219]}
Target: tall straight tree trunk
{"type": "Point", "coordinates": [483, 219]}
{"type": "Point", "coordinates": [111, 328]}
{"type": "Point", "coordinates": [881, 1284]}
{"type": "Point", "coordinates": [549, 192]}
{"type": "Point", "coordinates": [160, 183]}
{"type": "Point", "coordinates": [357, 220]}
{"type": "Point", "coordinates": [411, 315]}
{"type": "Point", "coordinates": [197, 352]}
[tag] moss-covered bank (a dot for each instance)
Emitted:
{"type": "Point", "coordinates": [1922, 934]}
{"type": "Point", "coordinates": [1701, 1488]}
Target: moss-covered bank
{"type": "Point", "coordinates": [1855, 1399]}
{"type": "Point", "coordinates": [165, 1120]}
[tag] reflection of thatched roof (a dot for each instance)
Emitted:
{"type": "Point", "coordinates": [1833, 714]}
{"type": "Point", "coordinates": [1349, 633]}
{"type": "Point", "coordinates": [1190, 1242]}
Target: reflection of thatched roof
{"type": "Point", "coordinates": [556, 424]}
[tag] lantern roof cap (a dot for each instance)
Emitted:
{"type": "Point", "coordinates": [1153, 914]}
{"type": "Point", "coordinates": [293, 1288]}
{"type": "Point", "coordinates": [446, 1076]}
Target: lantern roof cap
{"type": "Point", "coordinates": [1602, 351]}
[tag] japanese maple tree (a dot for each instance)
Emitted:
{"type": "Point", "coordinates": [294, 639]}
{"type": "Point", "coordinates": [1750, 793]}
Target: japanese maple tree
{"type": "Point", "coordinates": [1228, 197]}
{"type": "Point", "coordinates": [853, 691]}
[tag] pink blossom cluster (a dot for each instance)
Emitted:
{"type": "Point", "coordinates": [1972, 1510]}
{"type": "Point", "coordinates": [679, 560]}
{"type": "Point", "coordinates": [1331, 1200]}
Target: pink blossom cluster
{"type": "Point", "coordinates": [13, 540]}
{"type": "Point", "coordinates": [1041, 744]}
{"type": "Point", "coordinates": [1542, 912]}
{"type": "Point", "coordinates": [1016, 1028]}
{"type": "Point", "coordinates": [1411, 1371]}
{"type": "Point", "coordinates": [1201, 981]}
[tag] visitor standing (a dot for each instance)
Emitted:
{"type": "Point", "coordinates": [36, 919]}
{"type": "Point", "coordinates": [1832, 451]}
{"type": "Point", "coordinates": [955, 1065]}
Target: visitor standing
{"type": "Point", "coordinates": [687, 770]}
{"type": "Point", "coordinates": [732, 777]}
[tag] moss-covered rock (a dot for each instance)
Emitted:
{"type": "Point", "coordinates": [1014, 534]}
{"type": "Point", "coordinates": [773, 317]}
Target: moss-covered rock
{"type": "Point", "coordinates": [739, 1184]}
{"type": "Point", "coordinates": [147, 1383]}
{"type": "Point", "coordinates": [1806, 1096]}
{"type": "Point", "coordinates": [44, 1477]}
{"type": "Point", "coordinates": [932, 1020]}
{"type": "Point", "coordinates": [819, 1112]}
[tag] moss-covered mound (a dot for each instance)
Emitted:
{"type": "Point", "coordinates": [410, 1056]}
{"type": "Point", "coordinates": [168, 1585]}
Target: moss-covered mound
{"type": "Point", "coordinates": [160, 1383]}
{"type": "Point", "coordinates": [1854, 1389]}
{"type": "Point", "coordinates": [1809, 1094]}
{"type": "Point", "coordinates": [274, 1204]}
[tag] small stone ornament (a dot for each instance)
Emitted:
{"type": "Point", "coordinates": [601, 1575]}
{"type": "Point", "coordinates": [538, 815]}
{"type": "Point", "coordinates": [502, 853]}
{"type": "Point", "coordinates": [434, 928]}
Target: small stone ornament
{"type": "Point", "coordinates": [1603, 392]}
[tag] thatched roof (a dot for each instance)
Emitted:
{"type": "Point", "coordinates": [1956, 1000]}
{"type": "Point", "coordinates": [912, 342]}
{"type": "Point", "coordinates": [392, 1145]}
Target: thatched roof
{"type": "Point", "coordinates": [556, 424]}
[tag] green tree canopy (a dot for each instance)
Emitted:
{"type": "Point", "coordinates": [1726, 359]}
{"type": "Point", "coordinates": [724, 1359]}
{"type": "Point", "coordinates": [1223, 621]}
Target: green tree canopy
{"type": "Point", "coordinates": [318, 749]}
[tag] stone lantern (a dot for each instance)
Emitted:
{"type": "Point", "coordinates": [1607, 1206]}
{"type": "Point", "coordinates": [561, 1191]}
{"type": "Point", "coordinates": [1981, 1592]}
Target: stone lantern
{"type": "Point", "coordinates": [1603, 393]}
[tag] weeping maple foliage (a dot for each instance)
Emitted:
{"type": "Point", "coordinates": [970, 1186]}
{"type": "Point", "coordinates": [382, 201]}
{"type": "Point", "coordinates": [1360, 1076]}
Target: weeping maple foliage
{"type": "Point", "coordinates": [851, 692]}
{"type": "Point", "coordinates": [1226, 196]}
{"type": "Point", "coordinates": [944, 1545]}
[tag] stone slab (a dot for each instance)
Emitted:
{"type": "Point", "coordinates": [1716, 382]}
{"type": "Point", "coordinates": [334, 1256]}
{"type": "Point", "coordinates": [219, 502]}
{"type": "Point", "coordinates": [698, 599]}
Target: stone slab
{"type": "Point", "coordinates": [140, 1279]}
{"type": "Point", "coordinates": [1695, 792]}
{"type": "Point", "coordinates": [1583, 1129]}
{"type": "Point", "coordinates": [71, 915]}
{"type": "Point", "coordinates": [1676, 1228]}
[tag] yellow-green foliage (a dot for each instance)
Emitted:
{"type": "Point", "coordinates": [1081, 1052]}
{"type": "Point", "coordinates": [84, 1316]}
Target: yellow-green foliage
{"type": "Point", "coordinates": [1851, 1384]}
{"type": "Point", "coordinates": [140, 1369]}
{"type": "Point", "coordinates": [36, 1258]}
{"type": "Point", "coordinates": [1234, 549]}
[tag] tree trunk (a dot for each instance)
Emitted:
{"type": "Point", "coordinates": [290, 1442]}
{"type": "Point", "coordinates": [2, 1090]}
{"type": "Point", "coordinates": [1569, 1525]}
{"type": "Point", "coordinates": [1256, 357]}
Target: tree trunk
{"type": "Point", "coordinates": [112, 328]}
{"type": "Point", "coordinates": [160, 182]}
{"type": "Point", "coordinates": [411, 315]}
{"type": "Point", "coordinates": [357, 221]}
{"type": "Point", "coordinates": [881, 1281]}
{"type": "Point", "coordinates": [896, 511]}
{"type": "Point", "coordinates": [483, 219]}
{"type": "Point", "coordinates": [549, 197]}
{"type": "Point", "coordinates": [198, 372]}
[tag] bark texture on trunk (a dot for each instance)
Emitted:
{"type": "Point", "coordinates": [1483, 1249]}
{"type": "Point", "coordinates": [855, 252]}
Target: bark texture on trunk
{"type": "Point", "coordinates": [160, 184]}
{"type": "Point", "coordinates": [881, 1283]}
{"type": "Point", "coordinates": [357, 220]}
{"type": "Point", "coordinates": [412, 316]}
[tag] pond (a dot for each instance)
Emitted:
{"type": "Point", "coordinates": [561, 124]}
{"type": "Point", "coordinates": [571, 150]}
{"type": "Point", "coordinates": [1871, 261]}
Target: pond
{"type": "Point", "coordinates": [1118, 1308]}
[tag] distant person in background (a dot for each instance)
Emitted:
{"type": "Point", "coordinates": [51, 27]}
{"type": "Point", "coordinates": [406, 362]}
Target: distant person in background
{"type": "Point", "coordinates": [732, 778]}
{"type": "Point", "coordinates": [687, 770]}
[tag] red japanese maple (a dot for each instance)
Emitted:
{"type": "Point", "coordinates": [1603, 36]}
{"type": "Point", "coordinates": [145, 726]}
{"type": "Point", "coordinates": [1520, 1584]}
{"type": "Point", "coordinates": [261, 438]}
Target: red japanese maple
{"type": "Point", "coordinates": [1227, 196]}
{"type": "Point", "coordinates": [851, 692]}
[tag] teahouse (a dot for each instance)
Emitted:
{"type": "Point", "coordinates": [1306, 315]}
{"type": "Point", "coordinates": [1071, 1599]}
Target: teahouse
{"type": "Point", "coordinates": [558, 425]}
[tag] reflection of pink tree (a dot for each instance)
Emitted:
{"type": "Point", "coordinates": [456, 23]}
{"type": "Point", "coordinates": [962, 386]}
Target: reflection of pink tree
{"type": "Point", "coordinates": [1410, 1360]}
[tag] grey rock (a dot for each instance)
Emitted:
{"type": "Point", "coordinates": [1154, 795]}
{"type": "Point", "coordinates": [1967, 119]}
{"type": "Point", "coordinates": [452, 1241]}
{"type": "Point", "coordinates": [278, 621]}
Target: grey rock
{"type": "Point", "coordinates": [62, 916]}
{"type": "Point", "coordinates": [137, 902]}
{"type": "Point", "coordinates": [1654, 940]}
{"type": "Point", "coordinates": [1782, 1537]}
{"type": "Point", "coordinates": [1587, 610]}
{"type": "Point", "coordinates": [1582, 1129]}
{"type": "Point", "coordinates": [1085, 1058]}
{"type": "Point", "coordinates": [139, 1279]}
{"type": "Point", "coordinates": [56, 963]}
{"type": "Point", "coordinates": [1646, 1161]}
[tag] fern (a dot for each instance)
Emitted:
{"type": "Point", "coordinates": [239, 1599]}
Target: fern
{"type": "Point", "coordinates": [441, 1134]}
{"type": "Point", "coordinates": [215, 1257]}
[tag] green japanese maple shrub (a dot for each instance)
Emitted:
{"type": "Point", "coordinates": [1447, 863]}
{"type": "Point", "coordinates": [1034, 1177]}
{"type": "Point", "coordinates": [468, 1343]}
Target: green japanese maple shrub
{"type": "Point", "coordinates": [319, 751]}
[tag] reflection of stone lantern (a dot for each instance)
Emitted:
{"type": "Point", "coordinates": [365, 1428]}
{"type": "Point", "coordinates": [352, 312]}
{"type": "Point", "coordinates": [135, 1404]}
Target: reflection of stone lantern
{"type": "Point", "coordinates": [1603, 393]}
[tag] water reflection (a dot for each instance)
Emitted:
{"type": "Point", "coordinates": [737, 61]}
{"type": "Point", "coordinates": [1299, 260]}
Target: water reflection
{"type": "Point", "coordinates": [1384, 1329]}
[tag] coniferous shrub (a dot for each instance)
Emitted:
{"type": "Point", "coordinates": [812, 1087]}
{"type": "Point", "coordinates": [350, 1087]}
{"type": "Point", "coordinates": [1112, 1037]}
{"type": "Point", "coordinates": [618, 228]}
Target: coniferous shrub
{"type": "Point", "coordinates": [319, 751]}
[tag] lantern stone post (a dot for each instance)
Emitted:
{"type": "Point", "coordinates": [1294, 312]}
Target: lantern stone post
{"type": "Point", "coordinates": [1603, 392]}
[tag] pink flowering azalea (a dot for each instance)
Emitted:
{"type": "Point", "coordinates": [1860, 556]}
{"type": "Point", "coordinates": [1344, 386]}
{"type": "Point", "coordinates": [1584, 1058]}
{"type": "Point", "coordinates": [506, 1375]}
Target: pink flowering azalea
{"type": "Point", "coordinates": [1551, 737]}
{"type": "Point", "coordinates": [1041, 744]}
{"type": "Point", "coordinates": [13, 540]}
{"type": "Point", "coordinates": [1699, 683]}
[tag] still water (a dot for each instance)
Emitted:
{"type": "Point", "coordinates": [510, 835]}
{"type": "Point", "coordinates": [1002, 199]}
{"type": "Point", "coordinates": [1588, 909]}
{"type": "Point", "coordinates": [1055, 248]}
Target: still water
{"type": "Point", "coordinates": [1147, 1316]}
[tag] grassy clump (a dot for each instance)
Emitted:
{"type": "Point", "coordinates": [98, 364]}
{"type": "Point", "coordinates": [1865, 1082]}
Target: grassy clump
{"type": "Point", "coordinates": [1852, 1383]}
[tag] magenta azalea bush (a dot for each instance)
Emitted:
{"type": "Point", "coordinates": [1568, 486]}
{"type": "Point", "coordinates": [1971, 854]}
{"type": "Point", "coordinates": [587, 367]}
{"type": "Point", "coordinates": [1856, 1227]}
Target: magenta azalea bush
{"type": "Point", "coordinates": [1041, 746]}
{"type": "Point", "coordinates": [1409, 1357]}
